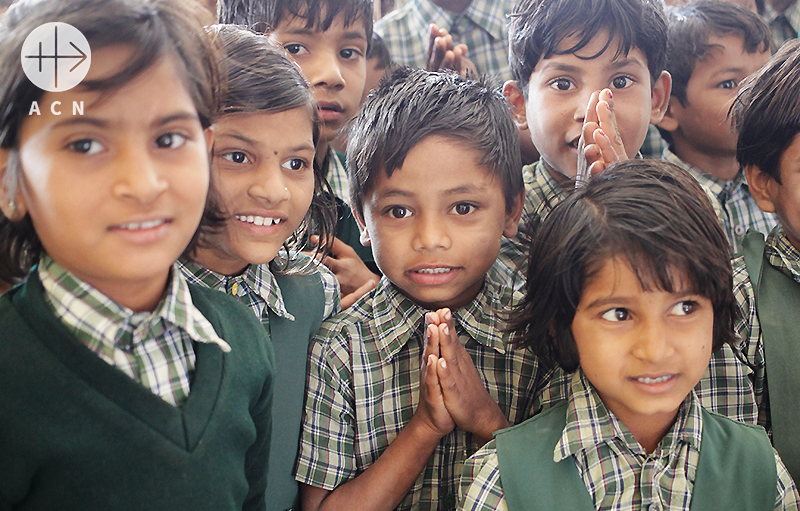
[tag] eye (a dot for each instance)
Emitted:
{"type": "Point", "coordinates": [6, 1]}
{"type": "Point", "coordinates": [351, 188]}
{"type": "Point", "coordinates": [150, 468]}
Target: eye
{"type": "Point", "coordinates": [727, 84]}
{"type": "Point", "coordinates": [622, 82]}
{"type": "Point", "coordinates": [235, 157]}
{"type": "Point", "coordinates": [399, 212]}
{"type": "Point", "coordinates": [562, 84]}
{"type": "Point", "coordinates": [463, 208]}
{"type": "Point", "coordinates": [617, 314]}
{"type": "Point", "coordinates": [685, 308]}
{"type": "Point", "coordinates": [295, 164]}
{"type": "Point", "coordinates": [85, 146]}
{"type": "Point", "coordinates": [170, 141]}
{"type": "Point", "coordinates": [350, 53]}
{"type": "Point", "coordinates": [295, 48]}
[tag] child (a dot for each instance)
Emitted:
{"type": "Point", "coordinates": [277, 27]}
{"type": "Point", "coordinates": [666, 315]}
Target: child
{"type": "Point", "coordinates": [629, 282]}
{"type": "Point", "coordinates": [271, 191]}
{"type": "Point", "coordinates": [435, 185]}
{"type": "Point", "coordinates": [567, 55]}
{"type": "Point", "coordinates": [121, 385]}
{"type": "Point", "coordinates": [767, 279]}
{"type": "Point", "coordinates": [713, 46]}
{"type": "Point", "coordinates": [329, 40]}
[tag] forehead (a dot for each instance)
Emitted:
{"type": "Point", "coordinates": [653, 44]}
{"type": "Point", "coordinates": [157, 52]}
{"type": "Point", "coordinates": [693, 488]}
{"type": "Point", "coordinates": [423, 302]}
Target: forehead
{"type": "Point", "coordinates": [300, 24]}
{"type": "Point", "coordinates": [599, 52]}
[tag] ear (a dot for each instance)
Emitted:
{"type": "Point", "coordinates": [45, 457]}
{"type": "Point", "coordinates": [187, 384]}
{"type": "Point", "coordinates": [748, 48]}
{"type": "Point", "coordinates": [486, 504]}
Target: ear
{"type": "Point", "coordinates": [209, 134]}
{"type": "Point", "coordinates": [512, 217]}
{"type": "Point", "coordinates": [12, 205]}
{"type": "Point", "coordinates": [670, 121]}
{"type": "Point", "coordinates": [514, 96]}
{"type": "Point", "coordinates": [362, 229]}
{"type": "Point", "coordinates": [662, 89]}
{"type": "Point", "coordinates": [759, 183]}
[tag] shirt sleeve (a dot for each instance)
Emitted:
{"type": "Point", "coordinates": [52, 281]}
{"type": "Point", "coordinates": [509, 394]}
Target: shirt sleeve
{"type": "Point", "coordinates": [787, 497]}
{"type": "Point", "coordinates": [480, 488]}
{"type": "Point", "coordinates": [333, 295]}
{"type": "Point", "coordinates": [327, 442]}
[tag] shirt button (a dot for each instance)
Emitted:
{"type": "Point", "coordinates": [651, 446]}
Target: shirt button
{"type": "Point", "coordinates": [652, 507]}
{"type": "Point", "coordinates": [235, 289]}
{"type": "Point", "coordinates": [739, 230]}
{"type": "Point", "coordinates": [449, 502]}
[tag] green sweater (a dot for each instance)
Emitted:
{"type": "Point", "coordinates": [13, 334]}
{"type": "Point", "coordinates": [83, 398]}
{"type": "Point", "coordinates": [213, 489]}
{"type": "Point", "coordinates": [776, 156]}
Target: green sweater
{"type": "Point", "coordinates": [77, 433]}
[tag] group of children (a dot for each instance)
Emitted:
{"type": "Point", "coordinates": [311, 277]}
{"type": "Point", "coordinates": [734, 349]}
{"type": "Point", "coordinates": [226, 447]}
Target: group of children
{"type": "Point", "coordinates": [583, 310]}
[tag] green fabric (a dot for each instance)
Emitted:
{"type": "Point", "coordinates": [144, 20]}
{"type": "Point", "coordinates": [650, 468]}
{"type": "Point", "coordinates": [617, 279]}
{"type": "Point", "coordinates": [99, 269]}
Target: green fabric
{"type": "Point", "coordinates": [77, 433]}
{"type": "Point", "coordinates": [532, 480]}
{"type": "Point", "coordinates": [778, 308]}
{"type": "Point", "coordinates": [304, 298]}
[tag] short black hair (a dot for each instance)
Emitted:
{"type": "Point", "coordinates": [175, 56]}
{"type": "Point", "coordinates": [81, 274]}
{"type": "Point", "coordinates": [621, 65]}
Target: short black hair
{"type": "Point", "coordinates": [691, 25]}
{"type": "Point", "coordinates": [410, 105]}
{"type": "Point", "coordinates": [766, 112]}
{"type": "Point", "coordinates": [265, 15]}
{"type": "Point", "coordinates": [379, 50]}
{"type": "Point", "coordinates": [651, 213]}
{"type": "Point", "coordinates": [538, 27]}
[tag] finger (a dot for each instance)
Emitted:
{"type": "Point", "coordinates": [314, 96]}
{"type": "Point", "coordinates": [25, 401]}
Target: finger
{"type": "Point", "coordinates": [591, 108]}
{"type": "Point", "coordinates": [350, 299]}
{"type": "Point", "coordinates": [332, 264]}
{"type": "Point", "coordinates": [448, 345]}
{"type": "Point", "coordinates": [447, 61]}
{"type": "Point", "coordinates": [446, 379]}
{"type": "Point", "coordinates": [608, 152]}
{"type": "Point", "coordinates": [607, 116]}
{"type": "Point", "coordinates": [434, 33]}
{"type": "Point", "coordinates": [434, 347]}
{"type": "Point", "coordinates": [464, 49]}
{"type": "Point", "coordinates": [432, 378]}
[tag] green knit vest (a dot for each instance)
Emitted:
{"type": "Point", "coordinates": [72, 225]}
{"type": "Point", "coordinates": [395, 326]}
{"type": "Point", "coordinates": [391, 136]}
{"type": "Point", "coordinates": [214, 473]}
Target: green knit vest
{"type": "Point", "coordinates": [304, 298]}
{"type": "Point", "coordinates": [736, 469]}
{"type": "Point", "coordinates": [778, 308]}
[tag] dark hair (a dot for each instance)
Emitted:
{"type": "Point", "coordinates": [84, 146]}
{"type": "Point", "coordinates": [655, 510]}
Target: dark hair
{"type": "Point", "coordinates": [155, 29]}
{"type": "Point", "coordinates": [691, 25]}
{"type": "Point", "coordinates": [653, 214]}
{"type": "Point", "coordinates": [266, 15]}
{"type": "Point", "coordinates": [379, 50]}
{"type": "Point", "coordinates": [410, 105]}
{"type": "Point", "coordinates": [538, 27]}
{"type": "Point", "coordinates": [766, 112]}
{"type": "Point", "coordinates": [260, 78]}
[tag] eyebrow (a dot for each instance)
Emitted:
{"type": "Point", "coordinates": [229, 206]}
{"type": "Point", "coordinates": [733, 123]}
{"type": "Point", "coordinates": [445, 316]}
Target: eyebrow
{"type": "Point", "coordinates": [571, 68]}
{"type": "Point", "coordinates": [250, 141]}
{"type": "Point", "coordinates": [80, 120]}
{"type": "Point", "coordinates": [459, 190]}
{"type": "Point", "coordinates": [353, 34]}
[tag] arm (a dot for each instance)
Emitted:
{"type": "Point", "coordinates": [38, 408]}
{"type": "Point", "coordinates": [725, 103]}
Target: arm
{"type": "Point", "coordinates": [355, 279]}
{"type": "Point", "coordinates": [600, 143]}
{"type": "Point", "coordinates": [465, 394]}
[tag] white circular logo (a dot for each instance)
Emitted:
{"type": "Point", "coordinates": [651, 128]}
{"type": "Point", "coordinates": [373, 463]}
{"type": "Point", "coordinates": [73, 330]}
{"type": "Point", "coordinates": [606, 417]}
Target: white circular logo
{"type": "Point", "coordinates": [56, 57]}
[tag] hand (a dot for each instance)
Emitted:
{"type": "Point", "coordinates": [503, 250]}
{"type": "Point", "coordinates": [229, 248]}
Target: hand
{"type": "Point", "coordinates": [355, 279]}
{"type": "Point", "coordinates": [443, 54]}
{"type": "Point", "coordinates": [465, 395]}
{"type": "Point", "coordinates": [600, 144]}
{"type": "Point", "coordinates": [431, 408]}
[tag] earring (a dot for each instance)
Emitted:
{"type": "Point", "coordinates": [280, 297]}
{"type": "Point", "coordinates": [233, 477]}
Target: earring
{"type": "Point", "coordinates": [12, 208]}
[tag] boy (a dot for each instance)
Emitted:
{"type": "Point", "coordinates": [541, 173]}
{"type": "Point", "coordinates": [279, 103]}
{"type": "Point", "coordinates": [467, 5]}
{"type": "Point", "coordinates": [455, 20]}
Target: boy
{"type": "Point", "coordinates": [329, 40]}
{"type": "Point", "coordinates": [629, 283]}
{"type": "Point", "coordinates": [767, 279]}
{"type": "Point", "coordinates": [712, 47]}
{"type": "Point", "coordinates": [562, 53]}
{"type": "Point", "coordinates": [435, 184]}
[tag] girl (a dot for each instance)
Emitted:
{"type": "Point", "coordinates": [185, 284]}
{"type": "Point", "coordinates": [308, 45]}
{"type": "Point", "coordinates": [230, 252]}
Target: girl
{"type": "Point", "coordinates": [629, 283]}
{"type": "Point", "coordinates": [121, 386]}
{"type": "Point", "coordinates": [271, 191]}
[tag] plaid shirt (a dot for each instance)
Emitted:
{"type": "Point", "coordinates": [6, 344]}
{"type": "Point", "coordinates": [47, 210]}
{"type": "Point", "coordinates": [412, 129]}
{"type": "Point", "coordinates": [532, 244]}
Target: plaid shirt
{"type": "Point", "coordinates": [617, 472]}
{"type": "Point", "coordinates": [542, 192]}
{"type": "Point", "coordinates": [154, 348]}
{"type": "Point", "coordinates": [784, 24]}
{"type": "Point", "coordinates": [785, 257]}
{"type": "Point", "coordinates": [654, 144]}
{"type": "Point", "coordinates": [739, 210]}
{"type": "Point", "coordinates": [257, 288]}
{"type": "Point", "coordinates": [482, 27]}
{"type": "Point", "coordinates": [363, 387]}
{"type": "Point", "coordinates": [337, 174]}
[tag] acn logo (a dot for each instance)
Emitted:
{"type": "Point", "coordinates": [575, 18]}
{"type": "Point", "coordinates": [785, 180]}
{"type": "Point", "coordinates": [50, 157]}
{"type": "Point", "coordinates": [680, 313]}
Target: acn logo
{"type": "Point", "coordinates": [56, 57]}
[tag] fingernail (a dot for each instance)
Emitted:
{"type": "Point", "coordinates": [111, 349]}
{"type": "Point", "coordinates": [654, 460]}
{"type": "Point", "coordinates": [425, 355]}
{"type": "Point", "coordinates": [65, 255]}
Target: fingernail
{"type": "Point", "coordinates": [610, 94]}
{"type": "Point", "coordinates": [446, 330]}
{"type": "Point", "coordinates": [447, 315]}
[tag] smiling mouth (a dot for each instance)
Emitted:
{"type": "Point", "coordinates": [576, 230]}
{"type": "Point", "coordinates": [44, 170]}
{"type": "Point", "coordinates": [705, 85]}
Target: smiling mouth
{"type": "Point", "coordinates": [258, 220]}
{"type": "Point", "coordinates": [651, 381]}
{"type": "Point", "coordinates": [434, 271]}
{"type": "Point", "coordinates": [140, 226]}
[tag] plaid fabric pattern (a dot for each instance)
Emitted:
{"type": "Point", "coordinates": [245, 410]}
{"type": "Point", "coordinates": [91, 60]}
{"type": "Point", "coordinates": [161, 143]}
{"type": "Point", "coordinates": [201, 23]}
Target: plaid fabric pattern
{"type": "Point", "coordinates": [653, 144]}
{"type": "Point", "coordinates": [739, 210]}
{"type": "Point", "coordinates": [542, 192]}
{"type": "Point", "coordinates": [482, 27]}
{"type": "Point", "coordinates": [154, 348]}
{"type": "Point", "coordinates": [785, 257]}
{"type": "Point", "coordinates": [619, 475]}
{"type": "Point", "coordinates": [784, 24]}
{"type": "Point", "coordinates": [363, 388]}
{"type": "Point", "coordinates": [337, 174]}
{"type": "Point", "coordinates": [257, 288]}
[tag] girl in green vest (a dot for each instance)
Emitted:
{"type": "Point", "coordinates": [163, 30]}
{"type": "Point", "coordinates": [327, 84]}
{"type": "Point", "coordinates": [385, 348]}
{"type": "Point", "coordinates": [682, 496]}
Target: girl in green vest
{"type": "Point", "coordinates": [271, 192]}
{"type": "Point", "coordinates": [629, 287]}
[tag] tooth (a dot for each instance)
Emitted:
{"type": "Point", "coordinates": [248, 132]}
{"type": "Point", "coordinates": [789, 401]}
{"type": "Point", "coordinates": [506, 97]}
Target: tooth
{"type": "Point", "coordinates": [258, 220]}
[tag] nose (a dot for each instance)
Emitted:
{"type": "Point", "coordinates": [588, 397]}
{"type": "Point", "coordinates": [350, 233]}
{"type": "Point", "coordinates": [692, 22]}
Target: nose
{"type": "Point", "coordinates": [139, 176]}
{"type": "Point", "coordinates": [581, 102]}
{"type": "Point", "coordinates": [653, 341]}
{"type": "Point", "coordinates": [269, 185]}
{"type": "Point", "coordinates": [324, 70]}
{"type": "Point", "coordinates": [430, 234]}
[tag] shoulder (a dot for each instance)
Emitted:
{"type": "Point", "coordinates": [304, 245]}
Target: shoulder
{"type": "Point", "coordinates": [395, 19]}
{"type": "Point", "coordinates": [232, 320]}
{"type": "Point", "coordinates": [481, 485]}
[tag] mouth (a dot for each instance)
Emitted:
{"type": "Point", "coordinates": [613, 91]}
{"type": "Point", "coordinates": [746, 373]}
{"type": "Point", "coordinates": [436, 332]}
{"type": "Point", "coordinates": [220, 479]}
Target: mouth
{"type": "Point", "coordinates": [325, 106]}
{"type": "Point", "coordinates": [140, 226]}
{"type": "Point", "coordinates": [433, 271]}
{"type": "Point", "coordinates": [259, 220]}
{"type": "Point", "coordinates": [654, 381]}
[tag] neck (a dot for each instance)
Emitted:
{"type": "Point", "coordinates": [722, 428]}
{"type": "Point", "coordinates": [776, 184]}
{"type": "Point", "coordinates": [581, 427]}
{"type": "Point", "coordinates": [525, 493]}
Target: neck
{"type": "Point", "coordinates": [218, 261]}
{"type": "Point", "coordinates": [322, 151]}
{"type": "Point", "coordinates": [137, 296]}
{"type": "Point", "coordinates": [456, 6]}
{"type": "Point", "coordinates": [720, 164]}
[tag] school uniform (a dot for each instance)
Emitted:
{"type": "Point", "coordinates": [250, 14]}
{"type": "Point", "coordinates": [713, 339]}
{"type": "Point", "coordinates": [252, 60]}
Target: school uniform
{"type": "Point", "coordinates": [291, 308]}
{"type": "Point", "coordinates": [739, 208]}
{"type": "Point", "coordinates": [581, 456]}
{"type": "Point", "coordinates": [766, 284]}
{"type": "Point", "coordinates": [107, 408]}
{"type": "Point", "coordinates": [363, 387]}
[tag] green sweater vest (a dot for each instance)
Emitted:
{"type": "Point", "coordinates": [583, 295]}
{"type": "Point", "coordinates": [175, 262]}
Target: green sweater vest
{"type": "Point", "coordinates": [77, 433]}
{"type": "Point", "coordinates": [736, 469]}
